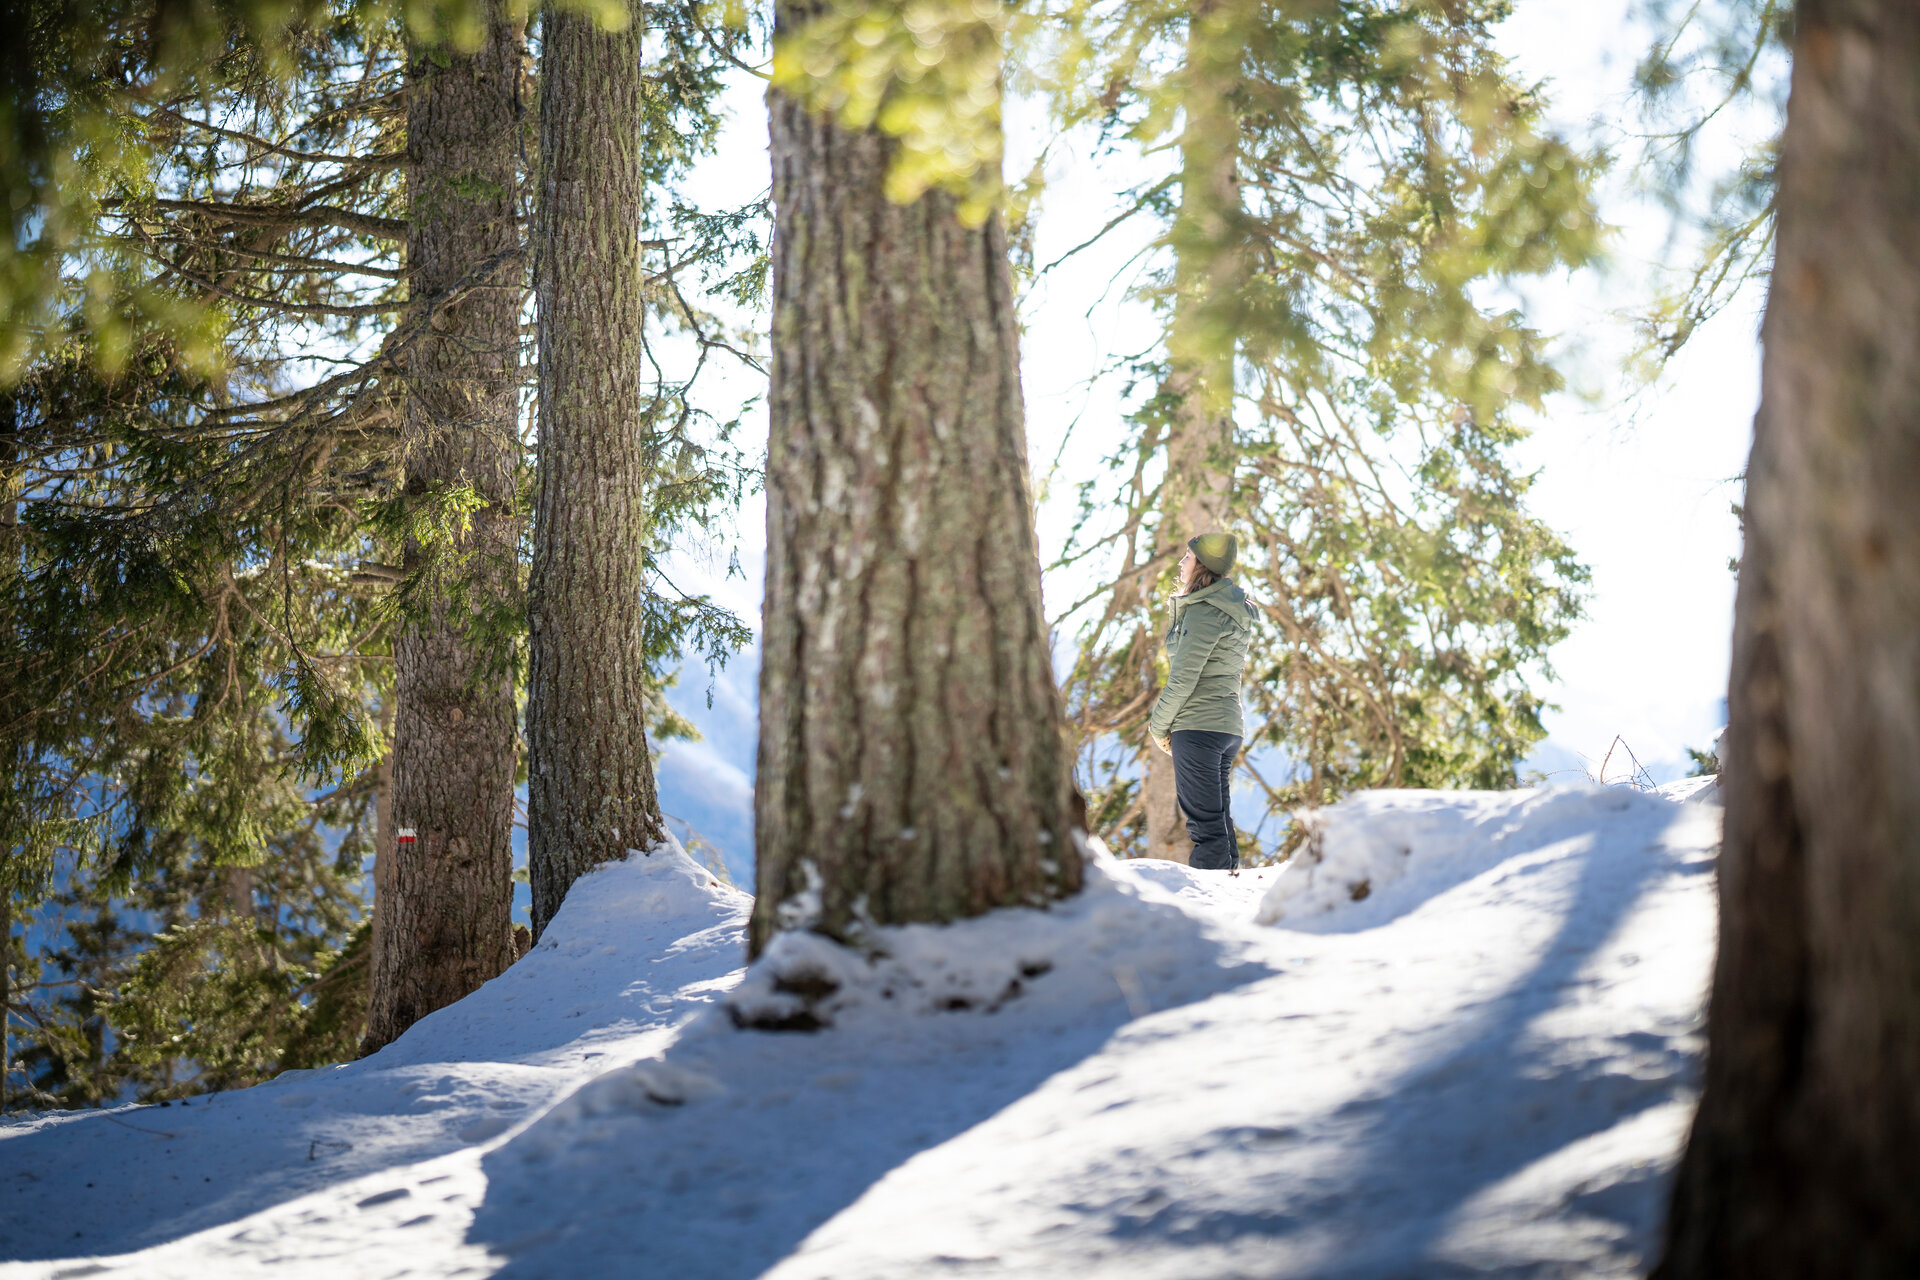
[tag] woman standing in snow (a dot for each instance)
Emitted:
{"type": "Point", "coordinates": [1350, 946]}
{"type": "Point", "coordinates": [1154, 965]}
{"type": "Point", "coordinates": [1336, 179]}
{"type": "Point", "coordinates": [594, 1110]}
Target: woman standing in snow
{"type": "Point", "coordinates": [1197, 719]}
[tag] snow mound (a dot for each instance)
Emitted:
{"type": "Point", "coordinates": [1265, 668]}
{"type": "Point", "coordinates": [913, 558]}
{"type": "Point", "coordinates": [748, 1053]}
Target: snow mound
{"type": "Point", "coordinates": [638, 947]}
{"type": "Point", "coordinates": [1378, 855]}
{"type": "Point", "coordinates": [620, 921]}
{"type": "Point", "coordinates": [828, 1066]}
{"type": "Point", "coordinates": [1495, 1080]}
{"type": "Point", "coordinates": [805, 981]}
{"type": "Point", "coordinates": [1705, 790]}
{"type": "Point", "coordinates": [664, 883]}
{"type": "Point", "coordinates": [1484, 1065]}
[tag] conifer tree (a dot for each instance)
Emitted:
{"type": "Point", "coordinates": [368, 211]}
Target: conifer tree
{"type": "Point", "coordinates": [626, 458]}
{"type": "Point", "coordinates": [1709, 64]}
{"type": "Point", "coordinates": [10, 552]}
{"type": "Point", "coordinates": [255, 207]}
{"type": "Point", "coordinates": [1332, 388]}
{"type": "Point", "coordinates": [154, 776]}
{"type": "Point", "coordinates": [285, 221]}
{"type": "Point", "coordinates": [1806, 1147]}
{"type": "Point", "coordinates": [216, 502]}
{"type": "Point", "coordinates": [911, 765]}
{"type": "Point", "coordinates": [590, 785]}
{"type": "Point", "coordinates": [450, 925]}
{"type": "Point", "coordinates": [266, 214]}
{"type": "Point", "coordinates": [199, 495]}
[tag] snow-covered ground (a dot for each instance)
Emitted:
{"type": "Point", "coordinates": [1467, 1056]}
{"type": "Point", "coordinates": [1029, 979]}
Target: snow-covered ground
{"type": "Point", "coordinates": [1463, 1042]}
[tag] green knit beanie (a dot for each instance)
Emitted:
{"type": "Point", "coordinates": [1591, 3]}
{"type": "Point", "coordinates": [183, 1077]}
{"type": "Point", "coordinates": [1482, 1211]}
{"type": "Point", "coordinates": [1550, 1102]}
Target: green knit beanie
{"type": "Point", "coordinates": [1215, 551]}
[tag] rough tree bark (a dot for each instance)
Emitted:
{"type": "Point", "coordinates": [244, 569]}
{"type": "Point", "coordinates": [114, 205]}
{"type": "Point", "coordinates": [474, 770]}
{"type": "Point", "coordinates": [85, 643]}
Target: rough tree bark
{"type": "Point", "coordinates": [911, 755]}
{"type": "Point", "coordinates": [10, 555]}
{"type": "Point", "coordinates": [1806, 1150]}
{"type": "Point", "coordinates": [450, 927]}
{"type": "Point", "coordinates": [383, 854]}
{"type": "Point", "coordinates": [6, 992]}
{"type": "Point", "coordinates": [1198, 492]}
{"type": "Point", "coordinates": [590, 787]}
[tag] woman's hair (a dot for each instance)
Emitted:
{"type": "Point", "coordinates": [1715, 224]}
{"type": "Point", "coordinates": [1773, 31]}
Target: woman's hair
{"type": "Point", "coordinates": [1202, 577]}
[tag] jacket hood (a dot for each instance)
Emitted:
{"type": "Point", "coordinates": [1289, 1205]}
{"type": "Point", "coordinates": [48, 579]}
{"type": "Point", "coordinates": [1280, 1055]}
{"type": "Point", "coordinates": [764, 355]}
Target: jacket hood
{"type": "Point", "coordinates": [1224, 595]}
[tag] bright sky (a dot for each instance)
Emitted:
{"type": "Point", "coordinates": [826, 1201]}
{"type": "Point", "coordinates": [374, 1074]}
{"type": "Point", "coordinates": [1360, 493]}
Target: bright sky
{"type": "Point", "coordinates": [1641, 488]}
{"type": "Point", "coordinates": [1643, 491]}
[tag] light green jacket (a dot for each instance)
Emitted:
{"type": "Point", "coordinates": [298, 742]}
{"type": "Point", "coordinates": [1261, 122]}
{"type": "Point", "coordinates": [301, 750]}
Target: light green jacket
{"type": "Point", "coordinates": [1206, 651]}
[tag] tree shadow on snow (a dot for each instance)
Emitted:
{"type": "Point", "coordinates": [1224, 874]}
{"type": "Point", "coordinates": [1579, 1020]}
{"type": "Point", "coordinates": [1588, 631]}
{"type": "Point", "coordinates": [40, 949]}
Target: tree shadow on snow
{"type": "Point", "coordinates": [107, 1182]}
{"type": "Point", "coordinates": [1427, 1144]}
{"type": "Point", "coordinates": [717, 1160]}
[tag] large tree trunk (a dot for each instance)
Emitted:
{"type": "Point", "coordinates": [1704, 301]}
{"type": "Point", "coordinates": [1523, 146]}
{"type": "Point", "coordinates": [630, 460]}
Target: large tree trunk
{"type": "Point", "coordinates": [1201, 339]}
{"type": "Point", "coordinates": [451, 926]}
{"type": "Point", "coordinates": [911, 754]}
{"type": "Point", "coordinates": [1806, 1151]}
{"type": "Point", "coordinates": [590, 786]}
{"type": "Point", "coordinates": [383, 854]}
{"type": "Point", "coordinates": [10, 556]}
{"type": "Point", "coordinates": [6, 991]}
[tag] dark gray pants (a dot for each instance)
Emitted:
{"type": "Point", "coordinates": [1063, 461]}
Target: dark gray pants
{"type": "Point", "coordinates": [1202, 774]}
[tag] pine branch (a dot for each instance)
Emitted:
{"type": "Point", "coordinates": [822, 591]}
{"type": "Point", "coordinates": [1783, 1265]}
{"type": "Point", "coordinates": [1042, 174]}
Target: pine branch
{"type": "Point", "coordinates": [276, 305]}
{"type": "Point", "coordinates": [277, 218]}
{"type": "Point", "coordinates": [386, 160]}
{"type": "Point", "coordinates": [290, 261]}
